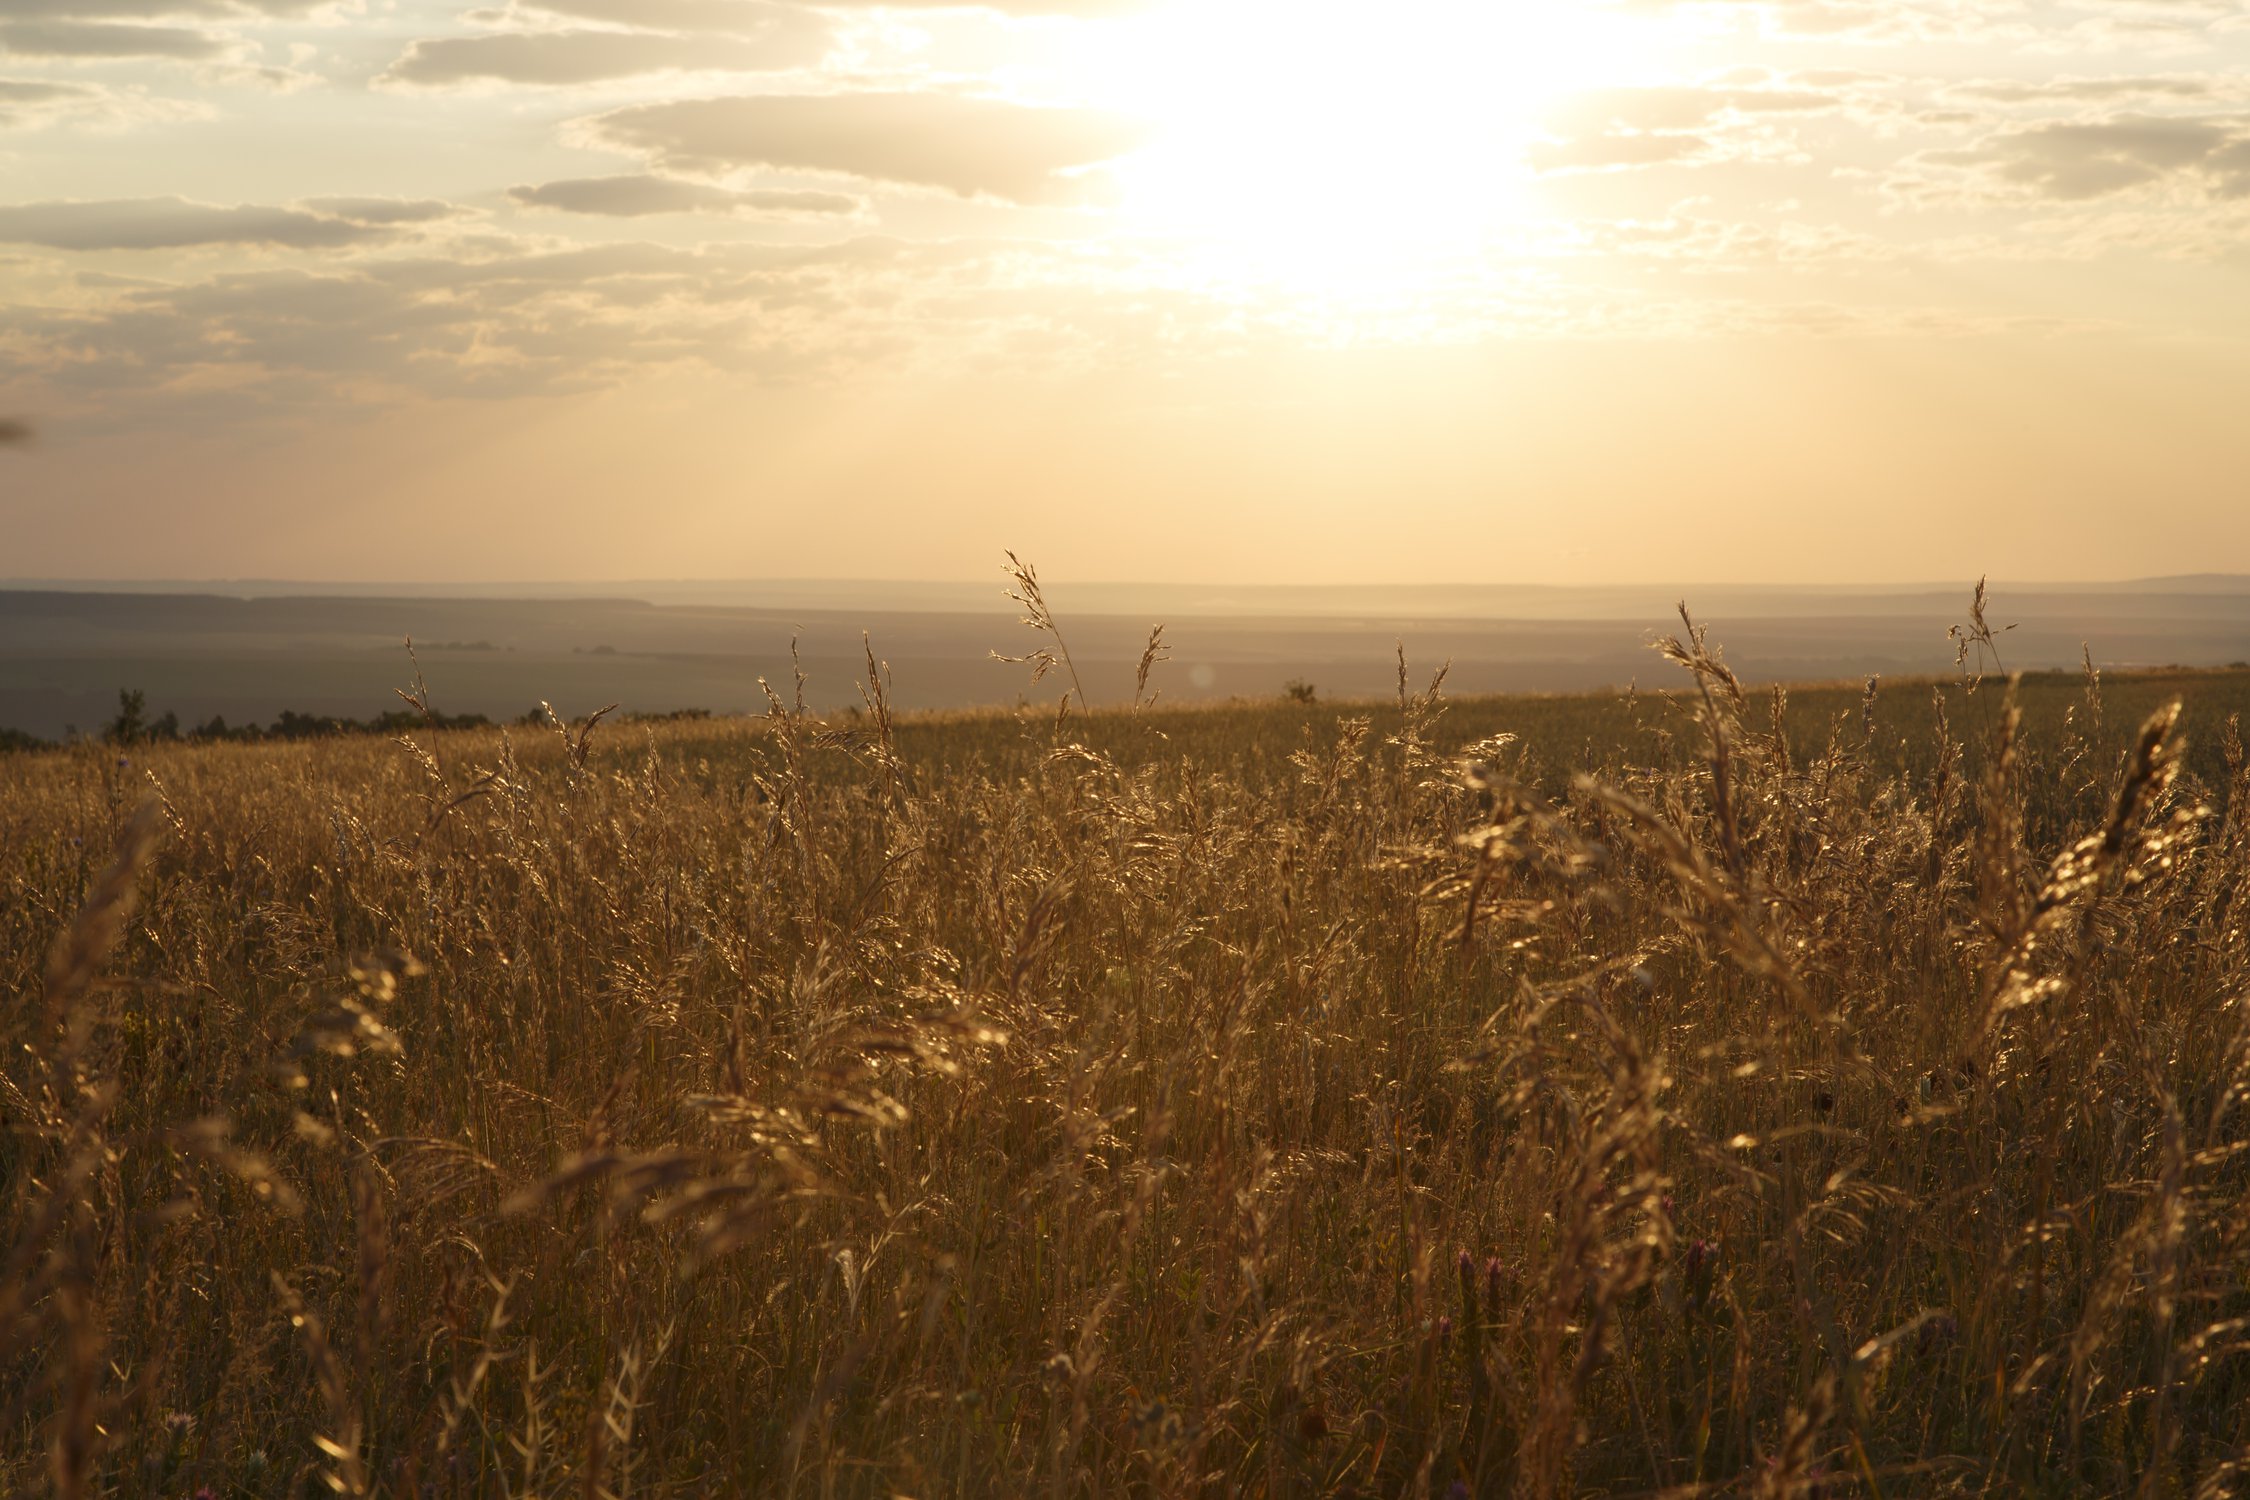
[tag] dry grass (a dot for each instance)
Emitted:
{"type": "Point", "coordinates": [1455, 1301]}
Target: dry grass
{"type": "Point", "coordinates": [1708, 1093]}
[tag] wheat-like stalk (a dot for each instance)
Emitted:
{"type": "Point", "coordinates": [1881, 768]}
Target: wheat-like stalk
{"type": "Point", "coordinates": [1696, 1091]}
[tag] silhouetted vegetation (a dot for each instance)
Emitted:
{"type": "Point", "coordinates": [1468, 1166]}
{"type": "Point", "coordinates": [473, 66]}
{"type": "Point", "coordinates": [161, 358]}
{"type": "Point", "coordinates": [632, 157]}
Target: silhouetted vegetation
{"type": "Point", "coordinates": [133, 726]}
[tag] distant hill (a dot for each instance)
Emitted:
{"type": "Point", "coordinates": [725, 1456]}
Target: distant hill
{"type": "Point", "coordinates": [247, 651]}
{"type": "Point", "coordinates": [1462, 599]}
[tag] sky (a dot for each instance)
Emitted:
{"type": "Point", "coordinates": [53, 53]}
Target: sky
{"type": "Point", "coordinates": [1547, 291]}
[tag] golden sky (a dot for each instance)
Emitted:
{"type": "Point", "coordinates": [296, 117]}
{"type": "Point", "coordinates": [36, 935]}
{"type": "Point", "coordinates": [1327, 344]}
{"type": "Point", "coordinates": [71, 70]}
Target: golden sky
{"type": "Point", "coordinates": [1528, 290]}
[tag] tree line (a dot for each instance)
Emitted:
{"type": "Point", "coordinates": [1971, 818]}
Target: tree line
{"type": "Point", "coordinates": [134, 725]}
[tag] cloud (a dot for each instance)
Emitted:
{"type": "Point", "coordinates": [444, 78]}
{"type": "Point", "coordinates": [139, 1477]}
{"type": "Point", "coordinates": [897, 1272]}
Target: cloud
{"type": "Point", "coordinates": [2076, 161]}
{"type": "Point", "coordinates": [520, 323]}
{"type": "Point", "coordinates": [1861, 21]}
{"type": "Point", "coordinates": [726, 17]}
{"type": "Point", "coordinates": [98, 39]}
{"type": "Point", "coordinates": [41, 91]}
{"type": "Point", "coordinates": [158, 10]}
{"type": "Point", "coordinates": [25, 101]}
{"type": "Point", "coordinates": [530, 321]}
{"type": "Point", "coordinates": [1704, 244]}
{"type": "Point", "coordinates": [175, 223]}
{"type": "Point", "coordinates": [29, 103]}
{"type": "Point", "coordinates": [973, 147]}
{"type": "Point", "coordinates": [2172, 27]}
{"type": "Point", "coordinates": [294, 343]}
{"type": "Point", "coordinates": [1606, 152]}
{"type": "Point", "coordinates": [387, 211]}
{"type": "Point", "coordinates": [1611, 129]}
{"type": "Point", "coordinates": [636, 195]}
{"type": "Point", "coordinates": [2175, 87]}
{"type": "Point", "coordinates": [571, 57]}
{"type": "Point", "coordinates": [1684, 107]}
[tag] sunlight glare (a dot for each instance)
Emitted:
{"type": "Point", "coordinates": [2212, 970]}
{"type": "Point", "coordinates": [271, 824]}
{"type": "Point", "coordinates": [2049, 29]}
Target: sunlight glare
{"type": "Point", "coordinates": [1321, 145]}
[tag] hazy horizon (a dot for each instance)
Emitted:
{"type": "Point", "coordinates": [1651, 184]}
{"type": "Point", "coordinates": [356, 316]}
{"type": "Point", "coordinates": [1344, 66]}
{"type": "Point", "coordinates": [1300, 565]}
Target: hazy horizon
{"type": "Point", "coordinates": [254, 586]}
{"type": "Point", "coordinates": [66, 654]}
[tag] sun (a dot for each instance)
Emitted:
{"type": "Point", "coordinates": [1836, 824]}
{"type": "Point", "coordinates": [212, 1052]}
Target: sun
{"type": "Point", "coordinates": [1343, 147]}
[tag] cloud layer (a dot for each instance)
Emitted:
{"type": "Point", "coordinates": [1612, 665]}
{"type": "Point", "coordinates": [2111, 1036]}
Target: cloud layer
{"type": "Point", "coordinates": [106, 40]}
{"type": "Point", "coordinates": [639, 195]}
{"type": "Point", "coordinates": [2077, 161]}
{"type": "Point", "coordinates": [176, 223]}
{"type": "Point", "coordinates": [973, 147]}
{"type": "Point", "coordinates": [531, 195]}
{"type": "Point", "coordinates": [577, 57]}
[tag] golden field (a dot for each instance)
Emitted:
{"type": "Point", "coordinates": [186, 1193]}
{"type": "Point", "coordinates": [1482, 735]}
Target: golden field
{"type": "Point", "coordinates": [1706, 1092]}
